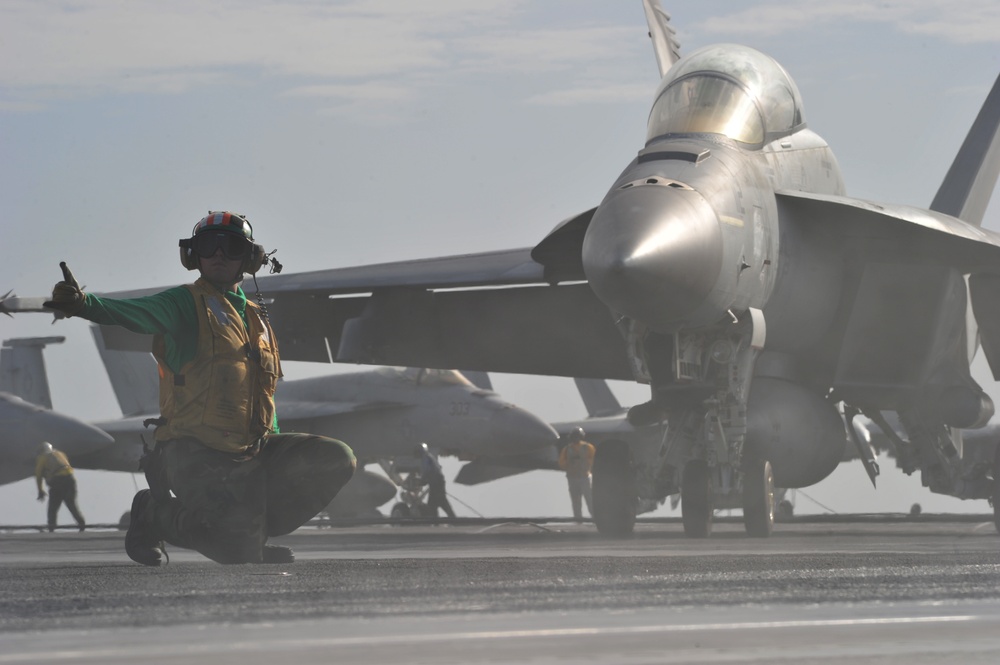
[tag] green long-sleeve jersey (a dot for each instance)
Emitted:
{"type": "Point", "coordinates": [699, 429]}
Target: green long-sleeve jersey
{"type": "Point", "coordinates": [170, 313]}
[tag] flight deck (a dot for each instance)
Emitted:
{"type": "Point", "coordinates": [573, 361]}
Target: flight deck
{"type": "Point", "coordinates": [819, 590]}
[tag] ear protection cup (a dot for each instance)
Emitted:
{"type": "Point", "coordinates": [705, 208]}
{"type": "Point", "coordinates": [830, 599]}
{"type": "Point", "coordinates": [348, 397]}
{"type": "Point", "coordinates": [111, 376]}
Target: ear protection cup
{"type": "Point", "coordinates": [255, 260]}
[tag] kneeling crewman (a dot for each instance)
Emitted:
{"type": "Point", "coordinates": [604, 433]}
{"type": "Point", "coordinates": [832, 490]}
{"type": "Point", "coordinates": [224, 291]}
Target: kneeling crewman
{"type": "Point", "coordinates": [235, 480]}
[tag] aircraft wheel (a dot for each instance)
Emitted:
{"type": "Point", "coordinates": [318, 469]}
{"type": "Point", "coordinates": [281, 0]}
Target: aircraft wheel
{"type": "Point", "coordinates": [758, 498]}
{"type": "Point", "coordinates": [125, 520]}
{"type": "Point", "coordinates": [996, 488]}
{"type": "Point", "coordinates": [785, 510]}
{"type": "Point", "coordinates": [614, 490]}
{"type": "Point", "coordinates": [696, 499]}
{"type": "Point", "coordinates": [400, 511]}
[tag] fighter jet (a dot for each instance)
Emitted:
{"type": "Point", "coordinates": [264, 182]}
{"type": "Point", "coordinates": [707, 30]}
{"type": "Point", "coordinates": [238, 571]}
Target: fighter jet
{"type": "Point", "coordinates": [24, 425]}
{"type": "Point", "coordinates": [726, 268]}
{"type": "Point", "coordinates": [384, 414]}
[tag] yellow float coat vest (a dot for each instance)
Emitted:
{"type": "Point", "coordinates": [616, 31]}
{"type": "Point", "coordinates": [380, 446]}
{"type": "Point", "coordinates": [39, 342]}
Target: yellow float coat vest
{"type": "Point", "coordinates": [224, 397]}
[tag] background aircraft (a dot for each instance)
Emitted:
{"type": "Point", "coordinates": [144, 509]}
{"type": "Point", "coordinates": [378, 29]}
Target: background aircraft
{"type": "Point", "coordinates": [384, 414]}
{"type": "Point", "coordinates": [25, 424]}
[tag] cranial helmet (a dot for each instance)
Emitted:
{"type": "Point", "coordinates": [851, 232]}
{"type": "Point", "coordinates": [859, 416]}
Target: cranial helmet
{"type": "Point", "coordinates": [421, 450]}
{"type": "Point", "coordinates": [45, 448]}
{"type": "Point", "coordinates": [228, 231]}
{"type": "Point", "coordinates": [576, 434]}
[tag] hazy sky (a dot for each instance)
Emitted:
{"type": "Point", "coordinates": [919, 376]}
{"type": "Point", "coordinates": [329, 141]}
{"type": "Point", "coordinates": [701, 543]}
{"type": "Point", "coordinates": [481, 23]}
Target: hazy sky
{"type": "Point", "coordinates": [365, 131]}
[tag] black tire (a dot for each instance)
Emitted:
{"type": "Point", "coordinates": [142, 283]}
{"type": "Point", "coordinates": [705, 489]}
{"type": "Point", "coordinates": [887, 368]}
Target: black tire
{"type": "Point", "coordinates": [400, 511]}
{"type": "Point", "coordinates": [696, 499]}
{"type": "Point", "coordinates": [614, 490]}
{"type": "Point", "coordinates": [996, 489]}
{"type": "Point", "coordinates": [758, 498]}
{"type": "Point", "coordinates": [125, 520]}
{"type": "Point", "coordinates": [785, 510]}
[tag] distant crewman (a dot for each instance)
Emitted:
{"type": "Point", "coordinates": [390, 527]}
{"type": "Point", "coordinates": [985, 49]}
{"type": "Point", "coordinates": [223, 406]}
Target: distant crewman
{"type": "Point", "coordinates": [576, 459]}
{"type": "Point", "coordinates": [432, 476]}
{"type": "Point", "coordinates": [53, 466]}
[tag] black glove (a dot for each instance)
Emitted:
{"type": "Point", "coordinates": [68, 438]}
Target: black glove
{"type": "Point", "coordinates": [67, 297]}
{"type": "Point", "coordinates": [41, 495]}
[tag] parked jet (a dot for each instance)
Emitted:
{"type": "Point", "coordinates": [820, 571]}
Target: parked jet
{"type": "Point", "coordinates": [25, 424]}
{"type": "Point", "coordinates": [727, 268]}
{"type": "Point", "coordinates": [23, 427]}
{"type": "Point", "coordinates": [384, 414]}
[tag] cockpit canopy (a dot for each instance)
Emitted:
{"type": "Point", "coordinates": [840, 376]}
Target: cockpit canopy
{"type": "Point", "coordinates": [727, 89]}
{"type": "Point", "coordinates": [425, 377]}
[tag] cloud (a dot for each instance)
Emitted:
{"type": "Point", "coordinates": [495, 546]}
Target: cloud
{"type": "Point", "coordinates": [598, 93]}
{"type": "Point", "coordinates": [962, 21]}
{"type": "Point", "coordinates": [131, 45]}
{"type": "Point", "coordinates": [354, 53]}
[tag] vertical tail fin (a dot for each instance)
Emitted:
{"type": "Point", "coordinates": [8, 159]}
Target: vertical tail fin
{"type": "Point", "coordinates": [133, 375]}
{"type": "Point", "coordinates": [22, 369]}
{"type": "Point", "coordinates": [665, 44]}
{"type": "Point", "coordinates": [480, 380]}
{"type": "Point", "coordinates": [970, 182]}
{"type": "Point", "coordinates": [597, 397]}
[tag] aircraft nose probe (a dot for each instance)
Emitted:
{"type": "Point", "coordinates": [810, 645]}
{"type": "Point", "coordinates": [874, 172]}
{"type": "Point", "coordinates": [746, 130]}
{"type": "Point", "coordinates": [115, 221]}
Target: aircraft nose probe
{"type": "Point", "coordinates": [653, 252]}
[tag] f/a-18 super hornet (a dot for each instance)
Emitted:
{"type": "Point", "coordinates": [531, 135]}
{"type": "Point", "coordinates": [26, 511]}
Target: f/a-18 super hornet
{"type": "Point", "coordinates": [383, 413]}
{"type": "Point", "coordinates": [727, 269]}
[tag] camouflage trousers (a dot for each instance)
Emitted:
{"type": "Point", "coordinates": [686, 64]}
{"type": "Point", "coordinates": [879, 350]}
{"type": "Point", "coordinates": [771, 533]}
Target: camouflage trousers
{"type": "Point", "coordinates": [226, 506]}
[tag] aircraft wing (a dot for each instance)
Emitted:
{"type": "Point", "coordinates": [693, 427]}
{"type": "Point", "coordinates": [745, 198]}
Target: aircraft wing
{"type": "Point", "coordinates": [499, 268]}
{"type": "Point", "coordinates": [900, 232]}
{"type": "Point", "coordinates": [489, 312]}
{"type": "Point", "coordinates": [906, 235]}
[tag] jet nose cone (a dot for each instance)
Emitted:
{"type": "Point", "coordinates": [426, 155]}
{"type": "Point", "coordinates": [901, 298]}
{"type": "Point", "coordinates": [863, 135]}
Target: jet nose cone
{"type": "Point", "coordinates": [653, 252]}
{"type": "Point", "coordinates": [520, 431]}
{"type": "Point", "coordinates": [69, 434]}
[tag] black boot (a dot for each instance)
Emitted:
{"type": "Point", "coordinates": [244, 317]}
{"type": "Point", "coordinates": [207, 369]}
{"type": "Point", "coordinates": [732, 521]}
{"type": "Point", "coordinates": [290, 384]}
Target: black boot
{"type": "Point", "coordinates": [278, 554]}
{"type": "Point", "coordinates": [141, 543]}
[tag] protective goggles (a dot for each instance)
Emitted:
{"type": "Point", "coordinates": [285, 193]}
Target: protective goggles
{"type": "Point", "coordinates": [207, 244]}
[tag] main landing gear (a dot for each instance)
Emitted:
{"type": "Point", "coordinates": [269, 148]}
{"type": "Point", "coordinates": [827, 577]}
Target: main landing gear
{"type": "Point", "coordinates": [757, 499]}
{"type": "Point", "coordinates": [996, 488]}
{"type": "Point", "coordinates": [696, 499]}
{"type": "Point", "coordinates": [614, 490]}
